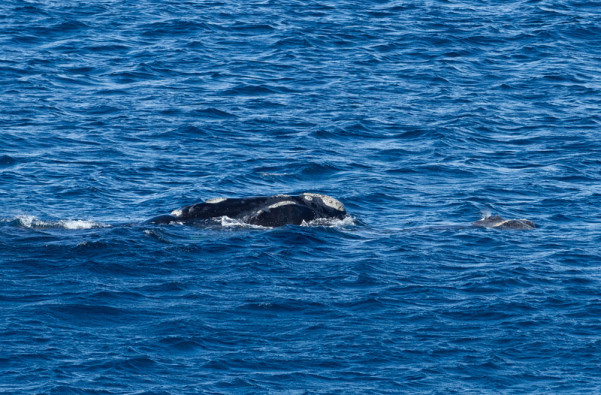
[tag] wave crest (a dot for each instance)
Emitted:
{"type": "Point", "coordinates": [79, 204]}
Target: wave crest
{"type": "Point", "coordinates": [32, 222]}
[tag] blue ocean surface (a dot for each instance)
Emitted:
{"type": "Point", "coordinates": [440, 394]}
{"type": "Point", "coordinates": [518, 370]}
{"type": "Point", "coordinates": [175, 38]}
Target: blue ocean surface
{"type": "Point", "coordinates": [420, 116]}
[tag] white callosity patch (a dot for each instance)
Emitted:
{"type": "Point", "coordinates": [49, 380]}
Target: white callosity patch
{"type": "Point", "coordinates": [326, 200]}
{"type": "Point", "coordinates": [216, 200]}
{"type": "Point", "coordinates": [276, 205]}
{"type": "Point", "coordinates": [279, 204]}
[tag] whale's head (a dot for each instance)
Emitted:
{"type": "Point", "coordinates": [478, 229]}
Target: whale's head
{"type": "Point", "coordinates": [325, 206]}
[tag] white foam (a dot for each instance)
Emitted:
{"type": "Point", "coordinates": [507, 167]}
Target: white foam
{"type": "Point", "coordinates": [228, 222]}
{"type": "Point", "coordinates": [30, 221]}
{"type": "Point", "coordinates": [331, 222]}
{"type": "Point", "coordinates": [79, 224]}
{"type": "Point", "coordinates": [177, 212]}
{"type": "Point", "coordinates": [27, 221]}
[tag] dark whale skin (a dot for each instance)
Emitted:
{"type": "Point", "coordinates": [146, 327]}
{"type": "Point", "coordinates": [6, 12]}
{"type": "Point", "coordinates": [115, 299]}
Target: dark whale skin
{"type": "Point", "coordinates": [496, 221]}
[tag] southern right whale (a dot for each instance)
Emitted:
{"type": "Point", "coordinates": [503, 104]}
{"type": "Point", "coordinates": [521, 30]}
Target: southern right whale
{"type": "Point", "coordinates": [496, 221]}
{"type": "Point", "coordinates": [269, 211]}
{"type": "Point", "coordinates": [280, 210]}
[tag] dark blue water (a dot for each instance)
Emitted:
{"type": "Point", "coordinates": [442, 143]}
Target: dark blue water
{"type": "Point", "coordinates": [421, 117]}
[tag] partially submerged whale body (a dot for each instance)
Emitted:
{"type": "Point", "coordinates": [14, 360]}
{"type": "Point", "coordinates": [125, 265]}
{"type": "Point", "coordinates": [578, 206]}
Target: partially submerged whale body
{"type": "Point", "coordinates": [268, 211]}
{"type": "Point", "coordinates": [496, 221]}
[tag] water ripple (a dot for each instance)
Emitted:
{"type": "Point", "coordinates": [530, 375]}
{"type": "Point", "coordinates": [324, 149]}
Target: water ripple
{"type": "Point", "coordinates": [420, 117]}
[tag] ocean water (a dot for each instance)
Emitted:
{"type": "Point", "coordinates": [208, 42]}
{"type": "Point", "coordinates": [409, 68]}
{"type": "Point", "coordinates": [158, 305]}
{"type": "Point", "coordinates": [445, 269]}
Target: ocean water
{"type": "Point", "coordinates": [420, 116]}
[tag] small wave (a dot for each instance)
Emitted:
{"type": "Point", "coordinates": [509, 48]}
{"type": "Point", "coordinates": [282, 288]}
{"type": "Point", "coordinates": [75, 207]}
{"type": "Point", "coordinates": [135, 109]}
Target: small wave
{"type": "Point", "coordinates": [255, 90]}
{"type": "Point", "coordinates": [211, 112]}
{"type": "Point", "coordinates": [6, 160]}
{"type": "Point", "coordinates": [91, 245]}
{"type": "Point", "coordinates": [30, 221]}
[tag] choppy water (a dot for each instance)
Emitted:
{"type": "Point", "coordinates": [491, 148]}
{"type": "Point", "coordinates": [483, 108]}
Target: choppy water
{"type": "Point", "coordinates": [419, 116]}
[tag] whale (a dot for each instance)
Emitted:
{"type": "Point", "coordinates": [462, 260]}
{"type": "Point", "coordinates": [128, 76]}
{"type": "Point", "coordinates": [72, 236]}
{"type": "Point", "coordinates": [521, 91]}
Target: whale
{"type": "Point", "coordinates": [498, 222]}
{"type": "Point", "coordinates": [267, 211]}
{"type": "Point", "coordinates": [280, 210]}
